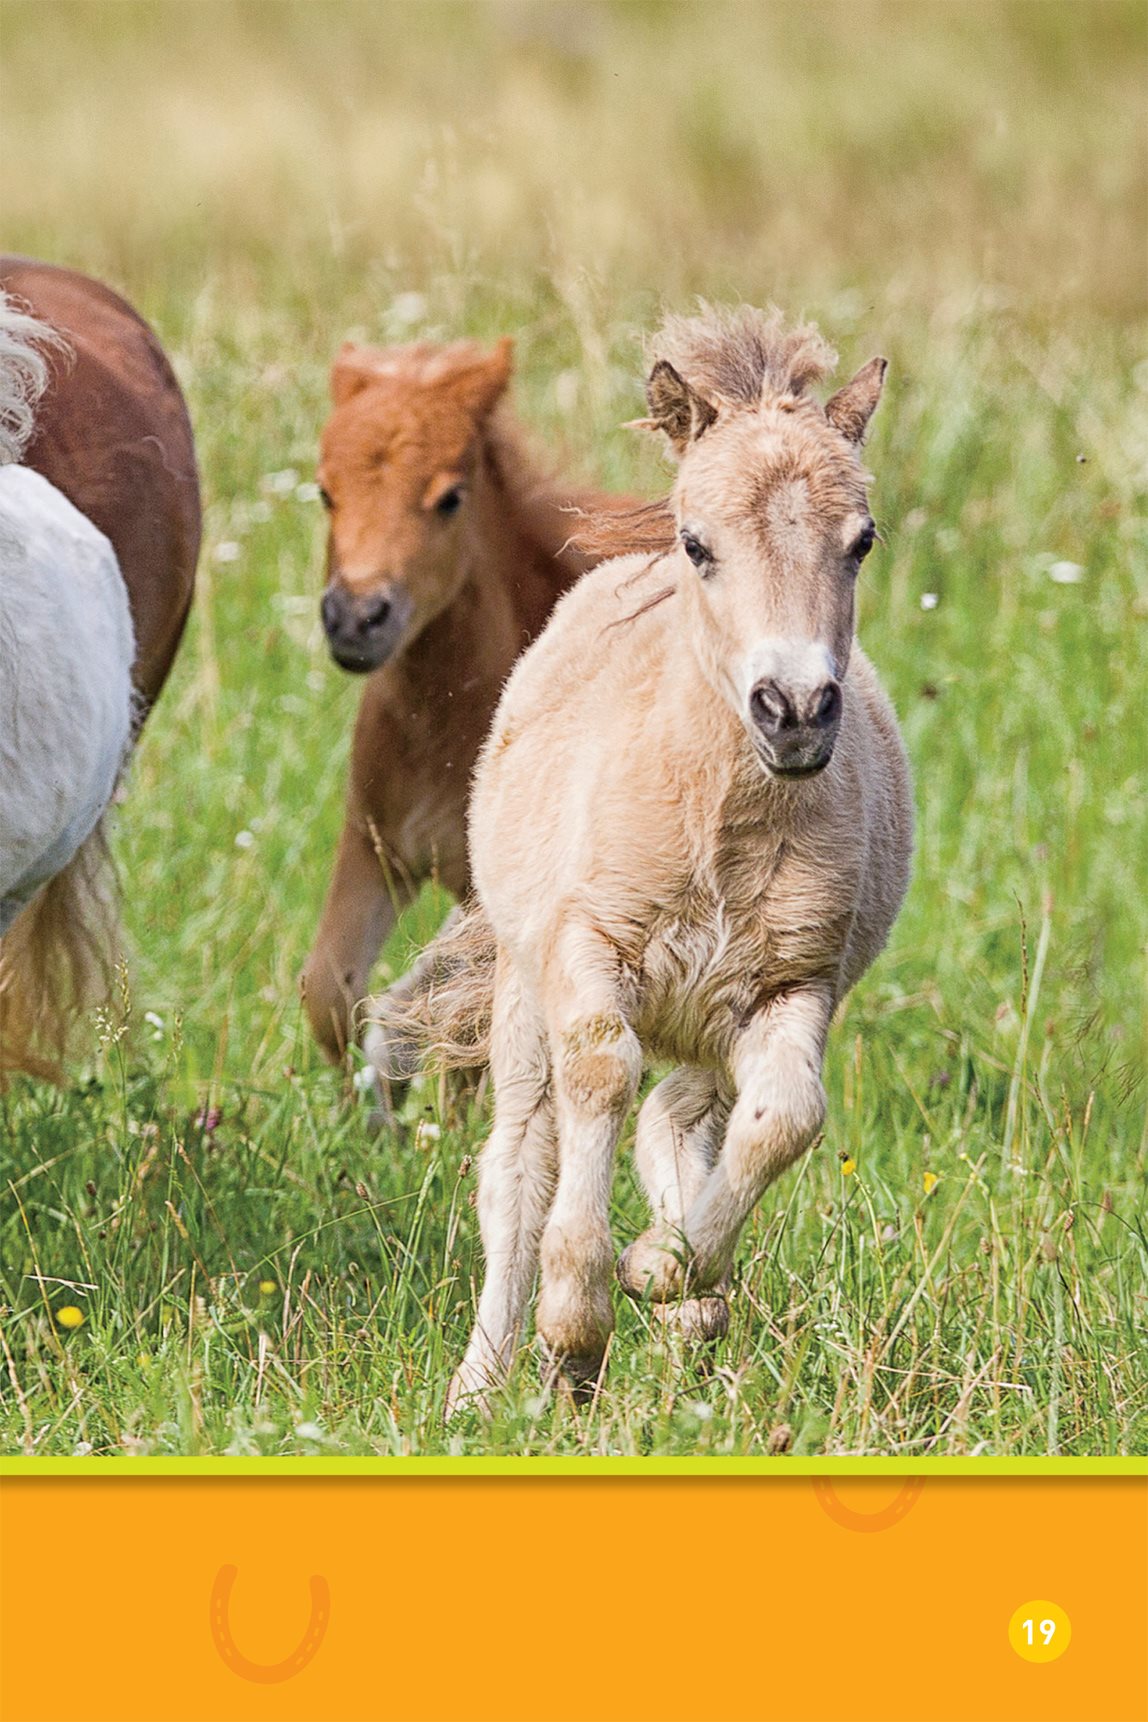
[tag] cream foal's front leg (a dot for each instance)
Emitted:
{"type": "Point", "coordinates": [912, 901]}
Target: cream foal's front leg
{"type": "Point", "coordinates": [779, 1109]}
{"type": "Point", "coordinates": [679, 1136]}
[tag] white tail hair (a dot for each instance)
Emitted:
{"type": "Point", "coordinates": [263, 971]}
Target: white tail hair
{"type": "Point", "coordinates": [23, 375]}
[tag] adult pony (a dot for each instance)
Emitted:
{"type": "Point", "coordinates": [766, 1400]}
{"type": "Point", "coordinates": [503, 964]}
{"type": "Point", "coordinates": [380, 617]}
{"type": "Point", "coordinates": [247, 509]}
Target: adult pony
{"type": "Point", "coordinates": [99, 532]}
{"type": "Point", "coordinates": [446, 552]}
{"type": "Point", "coordinates": [690, 834]}
{"type": "Point", "coordinates": [66, 650]}
{"type": "Point", "coordinates": [113, 434]}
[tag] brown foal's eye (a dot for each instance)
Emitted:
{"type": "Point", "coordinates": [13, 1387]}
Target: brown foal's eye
{"type": "Point", "coordinates": [450, 503]}
{"type": "Point", "coordinates": [325, 499]}
{"type": "Point", "coordinates": [696, 550]}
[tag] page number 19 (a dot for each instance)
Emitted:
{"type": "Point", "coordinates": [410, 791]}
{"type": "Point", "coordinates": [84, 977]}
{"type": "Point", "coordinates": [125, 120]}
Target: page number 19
{"type": "Point", "coordinates": [1040, 1631]}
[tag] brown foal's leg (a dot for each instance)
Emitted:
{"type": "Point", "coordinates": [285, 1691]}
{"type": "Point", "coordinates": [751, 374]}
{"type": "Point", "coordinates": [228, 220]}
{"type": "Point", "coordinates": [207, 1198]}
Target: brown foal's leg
{"type": "Point", "coordinates": [364, 899]}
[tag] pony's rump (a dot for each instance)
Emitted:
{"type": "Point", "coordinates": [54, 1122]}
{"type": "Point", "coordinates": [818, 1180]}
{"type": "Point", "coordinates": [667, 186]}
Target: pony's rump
{"type": "Point", "coordinates": [66, 650]}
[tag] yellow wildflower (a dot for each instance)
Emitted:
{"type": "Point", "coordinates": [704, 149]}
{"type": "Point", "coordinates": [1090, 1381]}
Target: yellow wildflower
{"type": "Point", "coordinates": [930, 1180]}
{"type": "Point", "coordinates": [848, 1167]}
{"type": "Point", "coordinates": [70, 1316]}
{"type": "Point", "coordinates": [268, 1288]}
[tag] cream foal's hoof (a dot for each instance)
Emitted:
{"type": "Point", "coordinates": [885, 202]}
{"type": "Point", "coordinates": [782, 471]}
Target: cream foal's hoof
{"type": "Point", "coordinates": [698, 1319]}
{"type": "Point", "coordinates": [576, 1374]}
{"type": "Point", "coordinates": [647, 1269]}
{"type": "Point", "coordinates": [466, 1393]}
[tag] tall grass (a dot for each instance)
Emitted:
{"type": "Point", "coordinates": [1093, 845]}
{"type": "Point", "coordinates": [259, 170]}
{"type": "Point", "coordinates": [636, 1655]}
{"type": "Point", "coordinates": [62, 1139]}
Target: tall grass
{"type": "Point", "coordinates": [960, 187]}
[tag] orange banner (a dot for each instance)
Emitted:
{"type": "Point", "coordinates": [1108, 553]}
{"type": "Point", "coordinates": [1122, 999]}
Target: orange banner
{"type": "Point", "coordinates": [547, 1600]}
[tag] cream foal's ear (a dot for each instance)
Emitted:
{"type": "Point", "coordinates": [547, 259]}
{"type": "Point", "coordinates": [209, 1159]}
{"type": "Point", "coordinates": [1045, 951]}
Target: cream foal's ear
{"type": "Point", "coordinates": [675, 407]}
{"type": "Point", "coordinates": [851, 408]}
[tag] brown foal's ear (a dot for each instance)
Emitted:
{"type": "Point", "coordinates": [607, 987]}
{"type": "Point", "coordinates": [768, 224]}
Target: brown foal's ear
{"type": "Point", "coordinates": [354, 368]}
{"type": "Point", "coordinates": [675, 407]}
{"type": "Point", "coordinates": [479, 383]}
{"type": "Point", "coordinates": [851, 408]}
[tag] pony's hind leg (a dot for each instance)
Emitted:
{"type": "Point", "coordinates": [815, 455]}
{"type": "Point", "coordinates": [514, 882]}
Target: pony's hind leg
{"type": "Point", "coordinates": [598, 1062]}
{"type": "Point", "coordinates": [679, 1136]}
{"type": "Point", "coordinates": [516, 1176]}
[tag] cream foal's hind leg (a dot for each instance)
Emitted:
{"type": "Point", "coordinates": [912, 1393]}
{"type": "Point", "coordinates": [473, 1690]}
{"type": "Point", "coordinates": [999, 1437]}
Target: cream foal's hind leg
{"type": "Point", "coordinates": [516, 1174]}
{"type": "Point", "coordinates": [597, 1064]}
{"type": "Point", "coordinates": [679, 1135]}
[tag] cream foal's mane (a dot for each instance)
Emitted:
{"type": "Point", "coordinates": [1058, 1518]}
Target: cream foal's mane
{"type": "Point", "coordinates": [737, 357]}
{"type": "Point", "coordinates": [731, 357]}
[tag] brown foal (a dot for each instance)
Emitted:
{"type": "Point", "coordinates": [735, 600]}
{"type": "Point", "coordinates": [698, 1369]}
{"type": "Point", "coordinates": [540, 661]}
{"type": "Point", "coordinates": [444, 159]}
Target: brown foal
{"type": "Point", "coordinates": [447, 551]}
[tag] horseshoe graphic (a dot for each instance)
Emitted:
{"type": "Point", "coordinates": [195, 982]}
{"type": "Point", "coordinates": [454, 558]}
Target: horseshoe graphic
{"type": "Point", "coordinates": [267, 1673]}
{"type": "Point", "coordinates": [851, 1520]}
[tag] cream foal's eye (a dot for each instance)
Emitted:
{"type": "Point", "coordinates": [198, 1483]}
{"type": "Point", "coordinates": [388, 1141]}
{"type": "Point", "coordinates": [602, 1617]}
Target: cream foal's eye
{"type": "Point", "coordinates": [695, 550]}
{"type": "Point", "coordinates": [863, 542]}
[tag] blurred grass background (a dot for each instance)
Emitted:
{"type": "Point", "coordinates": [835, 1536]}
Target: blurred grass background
{"type": "Point", "coordinates": [960, 186]}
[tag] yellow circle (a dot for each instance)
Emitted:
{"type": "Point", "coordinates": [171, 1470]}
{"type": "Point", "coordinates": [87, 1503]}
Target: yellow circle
{"type": "Point", "coordinates": [1040, 1631]}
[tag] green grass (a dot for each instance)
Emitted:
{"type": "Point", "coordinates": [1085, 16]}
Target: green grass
{"type": "Point", "coordinates": [966, 195]}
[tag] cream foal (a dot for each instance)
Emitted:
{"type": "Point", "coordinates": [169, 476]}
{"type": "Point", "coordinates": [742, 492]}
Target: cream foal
{"type": "Point", "coordinates": [690, 834]}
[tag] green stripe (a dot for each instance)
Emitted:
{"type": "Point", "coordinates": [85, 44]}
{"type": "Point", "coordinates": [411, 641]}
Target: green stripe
{"type": "Point", "coordinates": [573, 1467]}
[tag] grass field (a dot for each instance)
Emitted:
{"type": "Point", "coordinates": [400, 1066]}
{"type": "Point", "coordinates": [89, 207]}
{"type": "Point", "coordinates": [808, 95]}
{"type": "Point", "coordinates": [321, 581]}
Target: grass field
{"type": "Point", "coordinates": [962, 187]}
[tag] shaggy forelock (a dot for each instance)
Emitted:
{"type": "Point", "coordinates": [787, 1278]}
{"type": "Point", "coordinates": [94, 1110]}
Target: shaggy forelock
{"type": "Point", "coordinates": [740, 356]}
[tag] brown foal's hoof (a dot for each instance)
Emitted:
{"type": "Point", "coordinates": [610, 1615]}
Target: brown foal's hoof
{"type": "Point", "coordinates": [700, 1320]}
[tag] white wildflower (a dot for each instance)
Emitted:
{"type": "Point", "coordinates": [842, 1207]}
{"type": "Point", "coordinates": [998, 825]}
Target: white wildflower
{"type": "Point", "coordinates": [281, 483]}
{"type": "Point", "coordinates": [407, 310]}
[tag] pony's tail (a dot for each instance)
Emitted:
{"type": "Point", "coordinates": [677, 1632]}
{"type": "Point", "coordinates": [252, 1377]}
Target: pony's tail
{"type": "Point", "coordinates": [439, 1013]}
{"type": "Point", "coordinates": [56, 961]}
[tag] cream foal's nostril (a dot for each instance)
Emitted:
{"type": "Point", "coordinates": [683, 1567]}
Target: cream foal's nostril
{"type": "Point", "coordinates": [826, 706]}
{"type": "Point", "coordinates": [771, 709]}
